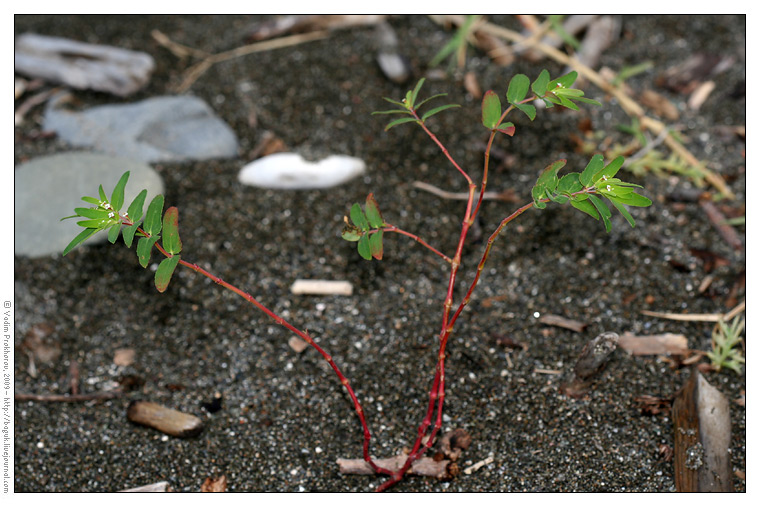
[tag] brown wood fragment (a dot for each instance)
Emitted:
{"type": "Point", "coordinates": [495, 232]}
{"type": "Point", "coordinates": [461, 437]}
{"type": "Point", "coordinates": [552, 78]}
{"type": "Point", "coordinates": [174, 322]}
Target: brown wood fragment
{"type": "Point", "coordinates": [428, 467]}
{"type": "Point", "coordinates": [718, 220]}
{"type": "Point", "coordinates": [667, 343]}
{"type": "Point", "coordinates": [164, 419]}
{"type": "Point", "coordinates": [214, 484]}
{"type": "Point", "coordinates": [699, 95]}
{"type": "Point", "coordinates": [702, 426]}
{"type": "Point", "coordinates": [123, 357]}
{"type": "Point", "coordinates": [559, 321]}
{"type": "Point", "coordinates": [659, 105]}
{"type": "Point", "coordinates": [454, 442]}
{"type": "Point", "coordinates": [322, 287]}
{"type": "Point", "coordinates": [309, 23]}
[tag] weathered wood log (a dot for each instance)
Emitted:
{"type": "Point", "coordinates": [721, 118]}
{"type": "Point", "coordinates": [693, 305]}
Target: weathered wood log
{"type": "Point", "coordinates": [428, 467]}
{"type": "Point", "coordinates": [702, 426]}
{"type": "Point", "coordinates": [82, 66]}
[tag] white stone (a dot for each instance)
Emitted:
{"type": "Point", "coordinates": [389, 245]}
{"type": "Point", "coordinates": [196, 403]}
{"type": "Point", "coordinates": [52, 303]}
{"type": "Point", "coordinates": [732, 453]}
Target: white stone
{"type": "Point", "coordinates": [291, 171]}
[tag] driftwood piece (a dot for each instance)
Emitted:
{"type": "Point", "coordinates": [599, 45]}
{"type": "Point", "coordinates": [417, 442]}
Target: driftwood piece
{"type": "Point", "coordinates": [702, 426]}
{"type": "Point", "coordinates": [600, 35]}
{"type": "Point", "coordinates": [718, 220]}
{"type": "Point", "coordinates": [427, 467]}
{"type": "Point", "coordinates": [310, 23]}
{"type": "Point", "coordinates": [667, 343]}
{"type": "Point", "coordinates": [322, 287]}
{"type": "Point", "coordinates": [82, 66]}
{"type": "Point", "coordinates": [164, 419]}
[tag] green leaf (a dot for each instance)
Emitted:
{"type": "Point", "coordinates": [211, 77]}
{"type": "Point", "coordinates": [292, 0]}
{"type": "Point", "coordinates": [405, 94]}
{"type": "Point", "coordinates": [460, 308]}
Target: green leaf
{"type": "Point", "coordinates": [528, 109]}
{"type": "Point", "coordinates": [165, 271]}
{"type": "Point", "coordinates": [364, 249]}
{"type": "Point", "coordinates": [399, 122]}
{"type": "Point", "coordinates": [419, 105]}
{"type": "Point", "coordinates": [117, 196]}
{"type": "Point", "coordinates": [358, 217]}
{"type": "Point", "coordinates": [491, 110]}
{"type": "Point", "coordinates": [128, 234]}
{"type": "Point", "coordinates": [565, 81]}
{"type": "Point", "coordinates": [610, 170]}
{"type": "Point", "coordinates": [635, 200]}
{"type": "Point", "coordinates": [437, 110]}
{"type": "Point", "coordinates": [102, 194]}
{"type": "Point", "coordinates": [604, 211]}
{"type": "Point", "coordinates": [539, 85]}
{"type": "Point", "coordinates": [91, 200]}
{"type": "Point", "coordinates": [81, 237]}
{"type": "Point", "coordinates": [373, 213]}
{"type": "Point", "coordinates": [569, 184]}
{"type": "Point", "coordinates": [538, 193]}
{"type": "Point", "coordinates": [548, 178]}
{"type": "Point", "coordinates": [392, 111]}
{"type": "Point", "coordinates": [96, 213]}
{"type": "Point", "coordinates": [96, 224]}
{"type": "Point", "coordinates": [623, 212]}
{"type": "Point", "coordinates": [376, 245]}
{"type": "Point", "coordinates": [412, 99]}
{"type": "Point", "coordinates": [113, 233]}
{"type": "Point", "coordinates": [396, 102]}
{"type": "Point", "coordinates": [507, 128]}
{"type": "Point", "coordinates": [594, 165]}
{"type": "Point", "coordinates": [588, 101]}
{"type": "Point", "coordinates": [153, 216]}
{"type": "Point", "coordinates": [559, 199]}
{"type": "Point", "coordinates": [585, 207]}
{"type": "Point", "coordinates": [171, 241]}
{"type": "Point", "coordinates": [351, 234]}
{"type": "Point", "coordinates": [144, 247]}
{"type": "Point", "coordinates": [135, 210]}
{"type": "Point", "coordinates": [518, 88]}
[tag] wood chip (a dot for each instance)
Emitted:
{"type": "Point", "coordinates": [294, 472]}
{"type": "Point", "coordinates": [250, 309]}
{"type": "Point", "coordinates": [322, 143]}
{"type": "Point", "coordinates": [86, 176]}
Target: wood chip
{"type": "Point", "coordinates": [472, 86]}
{"type": "Point", "coordinates": [297, 344]}
{"type": "Point", "coordinates": [322, 287]}
{"type": "Point", "coordinates": [559, 321]}
{"type": "Point", "coordinates": [718, 220]}
{"type": "Point", "coordinates": [477, 466]}
{"type": "Point", "coordinates": [164, 419]}
{"type": "Point", "coordinates": [123, 357]}
{"type": "Point", "coordinates": [667, 343]}
{"type": "Point", "coordinates": [214, 484]}
{"type": "Point", "coordinates": [659, 104]}
{"type": "Point", "coordinates": [699, 95]}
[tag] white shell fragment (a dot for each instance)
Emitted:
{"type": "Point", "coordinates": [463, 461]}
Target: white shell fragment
{"type": "Point", "coordinates": [290, 171]}
{"type": "Point", "coordinates": [322, 287]}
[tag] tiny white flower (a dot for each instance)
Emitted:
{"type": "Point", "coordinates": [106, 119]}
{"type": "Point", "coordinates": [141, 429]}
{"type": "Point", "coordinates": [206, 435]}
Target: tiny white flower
{"type": "Point", "coordinates": [111, 215]}
{"type": "Point", "coordinates": [609, 188]}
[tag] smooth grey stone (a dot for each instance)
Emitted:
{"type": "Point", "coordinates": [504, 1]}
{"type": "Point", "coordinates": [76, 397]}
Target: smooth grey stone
{"type": "Point", "coordinates": [160, 129]}
{"type": "Point", "coordinates": [81, 65]}
{"type": "Point", "coordinates": [49, 188]}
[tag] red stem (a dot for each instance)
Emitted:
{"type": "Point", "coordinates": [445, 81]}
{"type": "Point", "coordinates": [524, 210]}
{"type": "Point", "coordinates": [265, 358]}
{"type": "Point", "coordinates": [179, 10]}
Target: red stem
{"type": "Point", "coordinates": [304, 335]}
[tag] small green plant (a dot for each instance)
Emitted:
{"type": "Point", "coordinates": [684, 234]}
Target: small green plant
{"type": "Point", "coordinates": [586, 191]}
{"type": "Point", "coordinates": [726, 340]}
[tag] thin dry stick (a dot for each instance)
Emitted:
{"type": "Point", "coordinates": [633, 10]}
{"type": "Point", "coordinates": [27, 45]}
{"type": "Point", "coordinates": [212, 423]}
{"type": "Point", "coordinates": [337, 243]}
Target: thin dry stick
{"type": "Point", "coordinates": [197, 70]}
{"type": "Point", "coordinates": [631, 107]}
{"type": "Point", "coordinates": [458, 196]}
{"type": "Point", "coordinates": [698, 317]}
{"type": "Point", "coordinates": [69, 398]}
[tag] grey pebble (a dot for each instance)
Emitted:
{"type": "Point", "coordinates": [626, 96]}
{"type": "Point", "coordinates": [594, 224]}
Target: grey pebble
{"type": "Point", "coordinates": [49, 188]}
